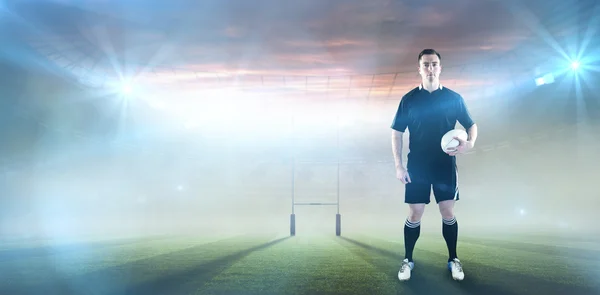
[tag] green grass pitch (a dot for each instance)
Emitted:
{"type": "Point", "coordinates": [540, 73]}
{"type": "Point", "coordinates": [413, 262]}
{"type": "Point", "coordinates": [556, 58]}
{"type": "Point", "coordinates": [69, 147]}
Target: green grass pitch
{"type": "Point", "coordinates": [316, 264]}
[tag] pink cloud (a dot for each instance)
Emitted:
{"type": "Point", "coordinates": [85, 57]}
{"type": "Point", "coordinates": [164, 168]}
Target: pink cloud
{"type": "Point", "coordinates": [233, 31]}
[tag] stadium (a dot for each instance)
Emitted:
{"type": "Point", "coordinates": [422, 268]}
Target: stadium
{"type": "Point", "coordinates": [229, 147]}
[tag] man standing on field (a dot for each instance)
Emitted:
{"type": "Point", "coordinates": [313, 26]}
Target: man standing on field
{"type": "Point", "coordinates": [429, 111]}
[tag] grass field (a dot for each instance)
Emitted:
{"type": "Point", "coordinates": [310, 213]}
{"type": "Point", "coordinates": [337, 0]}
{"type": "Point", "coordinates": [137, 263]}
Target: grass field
{"type": "Point", "coordinates": [316, 264]}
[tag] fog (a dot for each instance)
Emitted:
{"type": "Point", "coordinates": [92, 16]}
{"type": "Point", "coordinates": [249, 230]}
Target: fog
{"type": "Point", "coordinates": [80, 163]}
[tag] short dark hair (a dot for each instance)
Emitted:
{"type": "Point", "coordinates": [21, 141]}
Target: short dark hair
{"type": "Point", "coordinates": [427, 52]}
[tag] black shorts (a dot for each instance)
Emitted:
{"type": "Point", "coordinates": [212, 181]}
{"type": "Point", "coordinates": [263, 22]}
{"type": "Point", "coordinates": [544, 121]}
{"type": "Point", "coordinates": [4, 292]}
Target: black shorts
{"type": "Point", "coordinates": [444, 186]}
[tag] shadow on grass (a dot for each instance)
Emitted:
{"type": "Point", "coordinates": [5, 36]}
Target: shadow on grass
{"type": "Point", "coordinates": [426, 278]}
{"type": "Point", "coordinates": [191, 280]}
{"type": "Point", "coordinates": [18, 265]}
{"type": "Point", "coordinates": [388, 262]}
{"type": "Point", "coordinates": [480, 278]}
{"type": "Point", "coordinates": [179, 272]}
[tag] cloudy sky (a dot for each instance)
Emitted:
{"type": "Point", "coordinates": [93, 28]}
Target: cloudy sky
{"type": "Point", "coordinates": [322, 36]}
{"type": "Point", "coordinates": [299, 38]}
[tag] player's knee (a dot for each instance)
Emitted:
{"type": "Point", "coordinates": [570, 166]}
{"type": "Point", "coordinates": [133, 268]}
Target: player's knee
{"type": "Point", "coordinates": [416, 213]}
{"type": "Point", "coordinates": [414, 217]}
{"type": "Point", "coordinates": [447, 213]}
{"type": "Point", "coordinates": [447, 209]}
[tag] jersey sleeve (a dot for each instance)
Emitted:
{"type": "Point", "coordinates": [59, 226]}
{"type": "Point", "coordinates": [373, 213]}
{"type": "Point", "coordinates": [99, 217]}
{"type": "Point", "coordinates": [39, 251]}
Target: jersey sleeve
{"type": "Point", "coordinates": [400, 122]}
{"type": "Point", "coordinates": [464, 116]}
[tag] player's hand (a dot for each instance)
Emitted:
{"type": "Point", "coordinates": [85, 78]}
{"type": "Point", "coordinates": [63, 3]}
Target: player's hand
{"type": "Point", "coordinates": [402, 174]}
{"type": "Point", "coordinates": [463, 147]}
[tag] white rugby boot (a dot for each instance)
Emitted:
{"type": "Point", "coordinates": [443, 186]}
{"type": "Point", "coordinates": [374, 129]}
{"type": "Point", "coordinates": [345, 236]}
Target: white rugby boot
{"type": "Point", "coordinates": [405, 269]}
{"type": "Point", "coordinates": [455, 267]}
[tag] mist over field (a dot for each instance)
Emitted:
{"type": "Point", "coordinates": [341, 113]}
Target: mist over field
{"type": "Point", "coordinates": [80, 163]}
{"type": "Point", "coordinates": [116, 124]}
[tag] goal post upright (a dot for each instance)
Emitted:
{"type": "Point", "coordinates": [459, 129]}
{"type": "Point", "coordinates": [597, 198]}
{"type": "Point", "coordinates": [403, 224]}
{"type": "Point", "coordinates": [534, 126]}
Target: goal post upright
{"type": "Point", "coordinates": [293, 160]}
{"type": "Point", "coordinates": [338, 218]}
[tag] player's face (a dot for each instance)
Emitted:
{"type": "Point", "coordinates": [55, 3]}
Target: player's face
{"type": "Point", "coordinates": [430, 68]}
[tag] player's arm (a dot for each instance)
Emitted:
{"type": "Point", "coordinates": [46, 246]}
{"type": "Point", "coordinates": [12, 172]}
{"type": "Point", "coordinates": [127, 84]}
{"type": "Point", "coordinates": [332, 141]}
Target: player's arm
{"type": "Point", "coordinates": [465, 119]}
{"type": "Point", "coordinates": [472, 131]}
{"type": "Point", "coordinates": [399, 125]}
{"type": "Point", "coordinates": [397, 143]}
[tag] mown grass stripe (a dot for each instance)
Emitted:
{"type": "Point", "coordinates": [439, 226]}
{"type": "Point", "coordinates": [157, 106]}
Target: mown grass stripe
{"type": "Point", "coordinates": [300, 265]}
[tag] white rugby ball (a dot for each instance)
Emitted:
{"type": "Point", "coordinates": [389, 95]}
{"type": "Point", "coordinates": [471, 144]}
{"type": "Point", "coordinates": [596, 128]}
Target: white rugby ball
{"type": "Point", "coordinates": [448, 140]}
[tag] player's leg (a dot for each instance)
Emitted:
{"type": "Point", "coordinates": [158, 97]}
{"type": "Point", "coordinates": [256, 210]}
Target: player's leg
{"type": "Point", "coordinates": [449, 227]}
{"type": "Point", "coordinates": [416, 195]}
{"type": "Point", "coordinates": [446, 194]}
{"type": "Point", "coordinates": [412, 229]}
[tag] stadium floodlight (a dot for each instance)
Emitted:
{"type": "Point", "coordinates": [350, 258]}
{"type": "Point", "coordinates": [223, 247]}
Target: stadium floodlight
{"type": "Point", "coordinates": [539, 81]}
{"type": "Point", "coordinates": [575, 65]}
{"type": "Point", "coordinates": [126, 89]}
{"type": "Point", "coordinates": [544, 80]}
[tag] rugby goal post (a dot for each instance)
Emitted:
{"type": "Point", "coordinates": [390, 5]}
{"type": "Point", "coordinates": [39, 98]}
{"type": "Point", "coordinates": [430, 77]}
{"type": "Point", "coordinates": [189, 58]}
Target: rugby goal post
{"type": "Point", "coordinates": [338, 217]}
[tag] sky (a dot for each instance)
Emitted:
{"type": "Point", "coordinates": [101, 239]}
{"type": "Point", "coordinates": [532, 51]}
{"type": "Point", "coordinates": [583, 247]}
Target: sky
{"type": "Point", "coordinates": [270, 37]}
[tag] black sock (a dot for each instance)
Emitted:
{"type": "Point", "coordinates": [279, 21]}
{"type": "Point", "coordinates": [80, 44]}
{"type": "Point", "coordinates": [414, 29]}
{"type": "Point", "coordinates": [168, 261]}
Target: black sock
{"type": "Point", "coordinates": [450, 233]}
{"type": "Point", "coordinates": [412, 230]}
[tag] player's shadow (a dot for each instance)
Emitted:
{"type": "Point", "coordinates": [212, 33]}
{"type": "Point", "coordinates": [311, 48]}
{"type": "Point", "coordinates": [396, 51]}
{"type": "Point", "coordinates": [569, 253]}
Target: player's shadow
{"type": "Point", "coordinates": [427, 278]}
{"type": "Point", "coordinates": [480, 278]}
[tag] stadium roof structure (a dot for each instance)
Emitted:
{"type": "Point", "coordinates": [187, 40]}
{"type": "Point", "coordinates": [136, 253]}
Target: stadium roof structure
{"type": "Point", "coordinates": [266, 47]}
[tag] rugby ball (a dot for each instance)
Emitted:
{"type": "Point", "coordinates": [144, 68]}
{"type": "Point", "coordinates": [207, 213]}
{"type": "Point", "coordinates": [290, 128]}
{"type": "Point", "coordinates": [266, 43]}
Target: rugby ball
{"type": "Point", "coordinates": [448, 140]}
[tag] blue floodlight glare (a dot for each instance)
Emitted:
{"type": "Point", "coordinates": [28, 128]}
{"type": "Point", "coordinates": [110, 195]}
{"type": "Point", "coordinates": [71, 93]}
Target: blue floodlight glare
{"type": "Point", "coordinates": [549, 78]}
{"type": "Point", "coordinates": [126, 89]}
{"type": "Point", "coordinates": [575, 65]}
{"type": "Point", "coordinates": [546, 79]}
{"type": "Point", "coordinates": [539, 81]}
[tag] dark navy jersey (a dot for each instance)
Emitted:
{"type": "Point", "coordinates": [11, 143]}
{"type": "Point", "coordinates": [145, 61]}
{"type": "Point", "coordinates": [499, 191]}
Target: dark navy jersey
{"type": "Point", "coordinates": [428, 116]}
